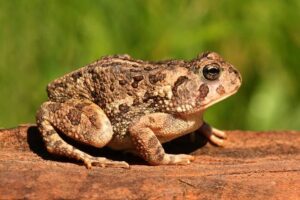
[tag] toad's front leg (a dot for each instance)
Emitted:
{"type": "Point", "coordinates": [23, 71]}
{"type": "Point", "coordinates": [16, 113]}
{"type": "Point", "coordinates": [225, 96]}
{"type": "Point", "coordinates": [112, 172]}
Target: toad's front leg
{"type": "Point", "coordinates": [147, 132]}
{"type": "Point", "coordinates": [215, 136]}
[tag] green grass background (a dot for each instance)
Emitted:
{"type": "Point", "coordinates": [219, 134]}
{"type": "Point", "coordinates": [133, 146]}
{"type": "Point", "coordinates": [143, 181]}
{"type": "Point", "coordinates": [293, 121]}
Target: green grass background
{"type": "Point", "coordinates": [42, 40]}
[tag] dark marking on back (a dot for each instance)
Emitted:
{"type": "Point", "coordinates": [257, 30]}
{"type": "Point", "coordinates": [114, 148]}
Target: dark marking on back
{"type": "Point", "coordinates": [95, 77]}
{"type": "Point", "coordinates": [111, 64]}
{"type": "Point", "coordinates": [135, 84]}
{"type": "Point", "coordinates": [59, 84]}
{"type": "Point", "coordinates": [147, 96]}
{"type": "Point", "coordinates": [101, 102]}
{"type": "Point", "coordinates": [80, 106]}
{"type": "Point", "coordinates": [122, 82]}
{"type": "Point", "coordinates": [76, 75]}
{"type": "Point", "coordinates": [112, 87]}
{"type": "Point", "coordinates": [148, 68]}
{"type": "Point", "coordinates": [135, 70]}
{"type": "Point", "coordinates": [53, 107]}
{"type": "Point", "coordinates": [130, 93]}
{"type": "Point", "coordinates": [138, 78]}
{"type": "Point", "coordinates": [124, 108]}
{"type": "Point", "coordinates": [154, 78]}
{"type": "Point", "coordinates": [136, 102]}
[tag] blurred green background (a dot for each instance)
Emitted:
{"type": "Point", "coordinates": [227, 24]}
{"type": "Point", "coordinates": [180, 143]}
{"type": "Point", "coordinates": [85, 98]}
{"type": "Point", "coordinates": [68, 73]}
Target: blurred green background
{"type": "Point", "coordinates": [42, 40]}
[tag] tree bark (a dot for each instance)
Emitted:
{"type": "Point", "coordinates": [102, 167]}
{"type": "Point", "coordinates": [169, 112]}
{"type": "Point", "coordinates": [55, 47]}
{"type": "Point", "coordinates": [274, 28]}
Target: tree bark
{"type": "Point", "coordinates": [253, 165]}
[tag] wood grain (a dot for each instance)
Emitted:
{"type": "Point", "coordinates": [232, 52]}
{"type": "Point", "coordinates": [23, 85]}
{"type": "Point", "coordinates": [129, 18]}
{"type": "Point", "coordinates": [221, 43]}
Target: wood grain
{"type": "Point", "coordinates": [253, 165]}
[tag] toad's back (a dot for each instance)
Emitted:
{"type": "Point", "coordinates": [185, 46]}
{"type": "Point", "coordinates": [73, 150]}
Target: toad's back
{"type": "Point", "coordinates": [119, 85]}
{"type": "Point", "coordinates": [108, 77]}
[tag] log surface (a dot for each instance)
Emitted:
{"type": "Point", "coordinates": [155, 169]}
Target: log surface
{"type": "Point", "coordinates": [253, 165]}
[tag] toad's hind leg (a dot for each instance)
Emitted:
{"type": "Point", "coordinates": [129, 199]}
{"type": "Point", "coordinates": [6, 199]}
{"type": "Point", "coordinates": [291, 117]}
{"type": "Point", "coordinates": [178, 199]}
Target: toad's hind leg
{"type": "Point", "coordinates": [80, 120]}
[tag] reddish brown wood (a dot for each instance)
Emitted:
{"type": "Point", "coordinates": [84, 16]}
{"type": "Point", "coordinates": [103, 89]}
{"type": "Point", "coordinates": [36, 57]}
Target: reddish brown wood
{"type": "Point", "coordinates": [253, 165]}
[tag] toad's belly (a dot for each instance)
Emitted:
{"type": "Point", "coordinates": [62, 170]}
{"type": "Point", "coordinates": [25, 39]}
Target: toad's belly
{"type": "Point", "coordinates": [170, 132]}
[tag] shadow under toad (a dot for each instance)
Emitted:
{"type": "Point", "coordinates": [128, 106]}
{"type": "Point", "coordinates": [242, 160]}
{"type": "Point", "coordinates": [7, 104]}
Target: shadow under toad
{"type": "Point", "coordinates": [185, 144]}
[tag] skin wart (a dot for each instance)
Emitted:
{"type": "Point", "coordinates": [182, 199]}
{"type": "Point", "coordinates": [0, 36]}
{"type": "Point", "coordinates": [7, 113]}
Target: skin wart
{"type": "Point", "coordinates": [135, 105]}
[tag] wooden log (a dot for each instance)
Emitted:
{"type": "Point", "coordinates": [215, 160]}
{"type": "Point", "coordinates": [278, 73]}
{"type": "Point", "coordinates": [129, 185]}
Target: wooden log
{"type": "Point", "coordinates": [253, 165]}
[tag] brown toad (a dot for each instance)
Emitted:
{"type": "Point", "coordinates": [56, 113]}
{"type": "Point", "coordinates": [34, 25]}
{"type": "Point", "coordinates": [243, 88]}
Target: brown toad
{"type": "Point", "coordinates": [135, 105]}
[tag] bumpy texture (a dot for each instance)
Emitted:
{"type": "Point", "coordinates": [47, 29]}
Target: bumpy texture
{"type": "Point", "coordinates": [135, 105]}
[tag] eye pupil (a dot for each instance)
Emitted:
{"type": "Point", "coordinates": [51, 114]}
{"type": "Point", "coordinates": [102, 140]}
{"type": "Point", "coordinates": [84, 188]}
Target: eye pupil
{"type": "Point", "coordinates": [211, 72]}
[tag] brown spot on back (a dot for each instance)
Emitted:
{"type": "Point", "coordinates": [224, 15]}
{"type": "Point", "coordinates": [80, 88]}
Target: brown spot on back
{"type": "Point", "coordinates": [111, 64]}
{"type": "Point", "coordinates": [220, 90]}
{"type": "Point", "coordinates": [148, 68]}
{"type": "Point", "coordinates": [147, 96]}
{"type": "Point", "coordinates": [135, 84]}
{"type": "Point", "coordinates": [124, 108]}
{"type": "Point", "coordinates": [59, 84]}
{"type": "Point", "coordinates": [74, 116]}
{"type": "Point", "coordinates": [154, 78]}
{"type": "Point", "coordinates": [76, 75]}
{"type": "Point", "coordinates": [203, 91]}
{"type": "Point", "coordinates": [112, 87]}
{"type": "Point", "coordinates": [138, 78]}
{"type": "Point", "coordinates": [135, 70]}
{"type": "Point", "coordinates": [53, 107]}
{"type": "Point", "coordinates": [130, 93]}
{"type": "Point", "coordinates": [80, 106]}
{"type": "Point", "coordinates": [136, 102]}
{"type": "Point", "coordinates": [122, 82]}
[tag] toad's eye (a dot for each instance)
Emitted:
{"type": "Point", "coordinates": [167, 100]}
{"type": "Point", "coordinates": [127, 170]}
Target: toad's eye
{"type": "Point", "coordinates": [211, 72]}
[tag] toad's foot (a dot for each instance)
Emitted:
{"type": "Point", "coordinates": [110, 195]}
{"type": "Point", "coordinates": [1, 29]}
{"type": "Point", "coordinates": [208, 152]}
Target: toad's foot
{"type": "Point", "coordinates": [103, 162]}
{"type": "Point", "coordinates": [179, 159]}
{"type": "Point", "coordinates": [215, 136]}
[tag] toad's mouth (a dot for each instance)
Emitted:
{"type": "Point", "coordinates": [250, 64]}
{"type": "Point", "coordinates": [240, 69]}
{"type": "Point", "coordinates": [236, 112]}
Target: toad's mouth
{"type": "Point", "coordinates": [218, 100]}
